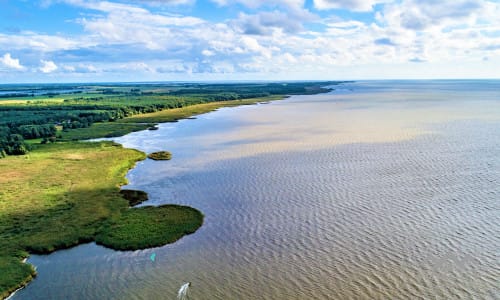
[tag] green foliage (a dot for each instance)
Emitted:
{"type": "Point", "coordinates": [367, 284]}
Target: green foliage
{"type": "Point", "coordinates": [149, 226]}
{"type": "Point", "coordinates": [14, 144]}
{"type": "Point", "coordinates": [37, 131]}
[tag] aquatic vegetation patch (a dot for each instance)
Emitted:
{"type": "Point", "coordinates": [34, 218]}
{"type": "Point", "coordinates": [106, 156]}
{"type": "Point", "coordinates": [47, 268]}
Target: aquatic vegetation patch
{"type": "Point", "coordinates": [160, 155]}
{"type": "Point", "coordinates": [134, 197]}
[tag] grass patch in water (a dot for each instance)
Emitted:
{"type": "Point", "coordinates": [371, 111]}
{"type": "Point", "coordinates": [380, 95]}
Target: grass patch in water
{"type": "Point", "coordinates": [160, 155]}
{"type": "Point", "coordinates": [149, 226]}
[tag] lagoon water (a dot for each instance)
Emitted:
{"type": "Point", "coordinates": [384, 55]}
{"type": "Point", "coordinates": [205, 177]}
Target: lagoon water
{"type": "Point", "coordinates": [377, 190]}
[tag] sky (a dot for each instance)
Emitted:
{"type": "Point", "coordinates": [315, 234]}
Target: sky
{"type": "Point", "coordinates": [226, 40]}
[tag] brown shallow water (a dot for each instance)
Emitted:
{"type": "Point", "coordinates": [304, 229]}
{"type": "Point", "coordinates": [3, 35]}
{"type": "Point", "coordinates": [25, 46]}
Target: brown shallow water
{"type": "Point", "coordinates": [379, 190]}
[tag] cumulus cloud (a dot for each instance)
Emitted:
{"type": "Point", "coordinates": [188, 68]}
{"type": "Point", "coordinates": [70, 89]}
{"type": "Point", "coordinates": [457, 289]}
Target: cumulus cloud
{"type": "Point", "coordinates": [11, 63]}
{"type": "Point", "coordinates": [356, 5]}
{"type": "Point", "coordinates": [47, 66]}
{"type": "Point", "coordinates": [424, 14]}
{"type": "Point", "coordinates": [163, 2]}
{"type": "Point", "coordinates": [207, 52]}
{"type": "Point", "coordinates": [80, 68]}
{"type": "Point", "coordinates": [258, 3]}
{"type": "Point", "coordinates": [264, 23]}
{"type": "Point", "coordinates": [127, 24]}
{"type": "Point", "coordinates": [118, 37]}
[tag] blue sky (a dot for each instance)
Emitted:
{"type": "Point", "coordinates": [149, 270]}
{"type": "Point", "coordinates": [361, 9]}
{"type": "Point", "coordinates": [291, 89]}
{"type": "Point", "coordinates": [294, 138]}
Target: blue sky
{"type": "Point", "coordinates": [194, 40]}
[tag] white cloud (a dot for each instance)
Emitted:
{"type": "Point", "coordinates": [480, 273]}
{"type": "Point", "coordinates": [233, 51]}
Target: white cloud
{"type": "Point", "coordinates": [79, 68]}
{"type": "Point", "coordinates": [48, 66]}
{"type": "Point", "coordinates": [127, 24]}
{"type": "Point", "coordinates": [356, 5]}
{"type": "Point", "coordinates": [9, 62]}
{"type": "Point", "coordinates": [275, 39]}
{"type": "Point", "coordinates": [264, 23]}
{"type": "Point", "coordinates": [258, 3]}
{"type": "Point", "coordinates": [167, 2]}
{"type": "Point", "coordinates": [40, 42]}
{"type": "Point", "coordinates": [425, 14]}
{"type": "Point", "coordinates": [207, 52]}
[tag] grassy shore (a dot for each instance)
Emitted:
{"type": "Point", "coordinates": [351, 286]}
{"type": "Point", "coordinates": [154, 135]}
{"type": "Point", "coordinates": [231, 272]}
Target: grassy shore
{"type": "Point", "coordinates": [63, 194]}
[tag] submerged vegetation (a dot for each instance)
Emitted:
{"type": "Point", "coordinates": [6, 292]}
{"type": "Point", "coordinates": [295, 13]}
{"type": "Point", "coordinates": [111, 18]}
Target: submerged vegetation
{"type": "Point", "coordinates": [56, 192]}
{"type": "Point", "coordinates": [160, 155]}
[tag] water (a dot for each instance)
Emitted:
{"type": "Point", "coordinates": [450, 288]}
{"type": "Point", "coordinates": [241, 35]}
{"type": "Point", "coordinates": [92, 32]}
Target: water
{"type": "Point", "coordinates": [381, 190]}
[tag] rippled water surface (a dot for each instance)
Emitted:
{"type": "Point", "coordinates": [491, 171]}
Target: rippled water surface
{"type": "Point", "coordinates": [378, 190]}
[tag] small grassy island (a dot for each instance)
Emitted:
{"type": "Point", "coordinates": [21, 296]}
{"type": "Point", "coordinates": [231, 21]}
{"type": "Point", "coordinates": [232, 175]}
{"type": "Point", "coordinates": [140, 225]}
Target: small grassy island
{"type": "Point", "coordinates": [56, 192]}
{"type": "Point", "coordinates": [160, 155]}
{"type": "Point", "coordinates": [149, 226]}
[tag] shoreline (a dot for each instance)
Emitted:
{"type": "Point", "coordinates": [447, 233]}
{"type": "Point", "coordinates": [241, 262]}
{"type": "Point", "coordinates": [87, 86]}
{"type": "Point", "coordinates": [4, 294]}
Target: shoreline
{"type": "Point", "coordinates": [21, 287]}
{"type": "Point", "coordinates": [164, 116]}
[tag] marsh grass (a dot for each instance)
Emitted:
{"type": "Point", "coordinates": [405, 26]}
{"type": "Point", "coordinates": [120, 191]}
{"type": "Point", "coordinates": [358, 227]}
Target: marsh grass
{"type": "Point", "coordinates": [149, 226]}
{"type": "Point", "coordinates": [160, 155]}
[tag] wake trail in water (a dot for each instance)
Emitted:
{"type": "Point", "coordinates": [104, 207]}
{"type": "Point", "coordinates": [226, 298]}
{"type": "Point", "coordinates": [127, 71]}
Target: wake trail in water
{"type": "Point", "coordinates": [183, 291]}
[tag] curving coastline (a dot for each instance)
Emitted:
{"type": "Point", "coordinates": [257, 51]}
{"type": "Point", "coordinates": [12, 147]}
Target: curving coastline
{"type": "Point", "coordinates": [103, 227]}
{"type": "Point", "coordinates": [101, 230]}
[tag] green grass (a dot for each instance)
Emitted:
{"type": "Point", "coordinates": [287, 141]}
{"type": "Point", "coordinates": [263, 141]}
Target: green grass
{"type": "Point", "coordinates": [15, 274]}
{"type": "Point", "coordinates": [100, 130]}
{"type": "Point", "coordinates": [147, 227]}
{"type": "Point", "coordinates": [160, 155]}
{"type": "Point", "coordinates": [60, 195]}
